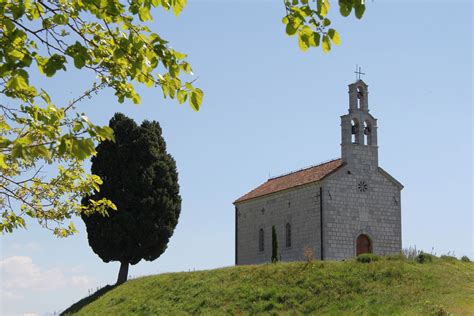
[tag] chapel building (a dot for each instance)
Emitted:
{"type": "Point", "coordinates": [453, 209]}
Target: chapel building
{"type": "Point", "coordinates": [337, 209]}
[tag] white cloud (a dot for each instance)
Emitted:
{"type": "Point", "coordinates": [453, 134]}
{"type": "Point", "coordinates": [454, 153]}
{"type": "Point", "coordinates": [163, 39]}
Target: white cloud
{"type": "Point", "coordinates": [19, 272]}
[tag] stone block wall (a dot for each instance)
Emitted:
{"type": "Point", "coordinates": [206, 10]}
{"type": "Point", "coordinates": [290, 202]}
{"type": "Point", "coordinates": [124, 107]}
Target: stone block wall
{"type": "Point", "coordinates": [298, 206]}
{"type": "Point", "coordinates": [348, 212]}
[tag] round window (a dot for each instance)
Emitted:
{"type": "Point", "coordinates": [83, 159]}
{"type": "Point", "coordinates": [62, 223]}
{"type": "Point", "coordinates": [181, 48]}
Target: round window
{"type": "Point", "coordinates": [362, 186]}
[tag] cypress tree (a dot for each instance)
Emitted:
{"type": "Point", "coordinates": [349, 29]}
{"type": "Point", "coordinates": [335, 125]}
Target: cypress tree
{"type": "Point", "coordinates": [140, 177]}
{"type": "Point", "coordinates": [274, 245]}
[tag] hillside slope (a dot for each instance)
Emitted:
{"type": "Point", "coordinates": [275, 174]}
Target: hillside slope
{"type": "Point", "coordinates": [382, 287]}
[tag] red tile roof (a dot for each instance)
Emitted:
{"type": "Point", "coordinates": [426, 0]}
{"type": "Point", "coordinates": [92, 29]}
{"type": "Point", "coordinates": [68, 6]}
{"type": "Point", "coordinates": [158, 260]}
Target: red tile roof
{"type": "Point", "coordinates": [293, 179]}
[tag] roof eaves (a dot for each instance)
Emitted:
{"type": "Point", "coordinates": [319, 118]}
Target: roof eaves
{"type": "Point", "coordinates": [291, 188]}
{"type": "Point", "coordinates": [275, 192]}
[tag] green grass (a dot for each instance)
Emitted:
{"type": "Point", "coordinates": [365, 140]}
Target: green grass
{"type": "Point", "coordinates": [383, 287]}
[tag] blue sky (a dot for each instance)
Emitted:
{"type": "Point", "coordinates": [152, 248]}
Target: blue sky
{"type": "Point", "coordinates": [268, 109]}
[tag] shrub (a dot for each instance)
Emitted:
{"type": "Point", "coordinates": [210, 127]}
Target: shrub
{"type": "Point", "coordinates": [465, 259]}
{"type": "Point", "coordinates": [424, 257]}
{"type": "Point", "coordinates": [367, 257]}
{"type": "Point", "coordinates": [448, 258]}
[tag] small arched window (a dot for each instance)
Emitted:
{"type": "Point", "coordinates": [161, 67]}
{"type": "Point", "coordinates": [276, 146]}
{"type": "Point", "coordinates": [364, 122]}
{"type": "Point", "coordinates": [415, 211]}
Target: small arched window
{"type": "Point", "coordinates": [261, 240]}
{"type": "Point", "coordinates": [288, 235]}
{"type": "Point", "coordinates": [355, 131]}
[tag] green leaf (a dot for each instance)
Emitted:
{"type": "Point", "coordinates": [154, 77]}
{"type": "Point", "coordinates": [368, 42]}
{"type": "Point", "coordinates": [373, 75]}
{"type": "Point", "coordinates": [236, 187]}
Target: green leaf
{"type": "Point", "coordinates": [334, 36]}
{"type": "Point", "coordinates": [345, 7]}
{"type": "Point", "coordinates": [178, 6]}
{"type": "Point", "coordinates": [82, 148]}
{"type": "Point", "coordinates": [303, 41]}
{"type": "Point", "coordinates": [290, 29]}
{"type": "Point", "coordinates": [136, 98]}
{"type": "Point", "coordinates": [104, 132]}
{"type": "Point", "coordinates": [77, 127]}
{"type": "Point", "coordinates": [144, 14]}
{"type": "Point", "coordinates": [79, 54]}
{"type": "Point", "coordinates": [53, 64]}
{"type": "Point", "coordinates": [17, 82]}
{"type": "Point", "coordinates": [196, 99]}
{"type": "Point", "coordinates": [306, 30]}
{"type": "Point", "coordinates": [359, 10]}
{"type": "Point", "coordinates": [61, 19]}
{"type": "Point", "coordinates": [79, 61]}
{"type": "Point", "coordinates": [323, 7]}
{"type": "Point", "coordinates": [314, 39]}
{"type": "Point", "coordinates": [45, 97]}
{"type": "Point", "coordinates": [182, 96]}
{"type": "Point", "coordinates": [326, 45]}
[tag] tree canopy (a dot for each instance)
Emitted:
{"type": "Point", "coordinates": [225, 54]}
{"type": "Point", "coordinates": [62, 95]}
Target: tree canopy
{"type": "Point", "coordinates": [105, 38]}
{"type": "Point", "coordinates": [141, 178]}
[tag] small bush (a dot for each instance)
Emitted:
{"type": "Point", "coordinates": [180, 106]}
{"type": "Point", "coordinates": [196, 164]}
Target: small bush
{"type": "Point", "coordinates": [367, 257]}
{"type": "Point", "coordinates": [424, 257]}
{"type": "Point", "coordinates": [448, 258]}
{"type": "Point", "coordinates": [465, 259]}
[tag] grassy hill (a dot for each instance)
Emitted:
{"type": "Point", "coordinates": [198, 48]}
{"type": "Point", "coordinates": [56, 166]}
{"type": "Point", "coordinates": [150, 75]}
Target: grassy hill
{"type": "Point", "coordinates": [397, 286]}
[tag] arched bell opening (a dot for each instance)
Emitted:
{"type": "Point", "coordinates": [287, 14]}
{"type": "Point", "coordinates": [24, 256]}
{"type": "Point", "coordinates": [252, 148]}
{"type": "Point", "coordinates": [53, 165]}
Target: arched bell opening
{"type": "Point", "coordinates": [355, 139]}
{"type": "Point", "coordinates": [360, 96]}
{"type": "Point", "coordinates": [367, 133]}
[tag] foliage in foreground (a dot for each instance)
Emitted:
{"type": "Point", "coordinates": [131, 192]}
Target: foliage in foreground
{"type": "Point", "coordinates": [309, 21]}
{"type": "Point", "coordinates": [141, 178]}
{"type": "Point", "coordinates": [105, 39]}
{"type": "Point", "coordinates": [384, 287]}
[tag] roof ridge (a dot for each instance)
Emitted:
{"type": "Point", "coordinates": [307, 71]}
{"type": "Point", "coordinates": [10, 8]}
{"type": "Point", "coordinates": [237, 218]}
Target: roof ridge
{"type": "Point", "coordinates": [302, 169]}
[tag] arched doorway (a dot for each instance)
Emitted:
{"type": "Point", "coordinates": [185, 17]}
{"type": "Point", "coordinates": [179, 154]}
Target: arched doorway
{"type": "Point", "coordinates": [364, 245]}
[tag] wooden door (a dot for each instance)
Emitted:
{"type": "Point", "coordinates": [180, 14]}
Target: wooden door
{"type": "Point", "coordinates": [363, 244]}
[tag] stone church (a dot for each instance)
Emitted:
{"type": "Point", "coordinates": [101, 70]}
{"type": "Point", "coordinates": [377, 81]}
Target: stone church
{"type": "Point", "coordinates": [337, 209]}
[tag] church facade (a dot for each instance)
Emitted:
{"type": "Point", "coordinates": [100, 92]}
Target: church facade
{"type": "Point", "coordinates": [336, 210]}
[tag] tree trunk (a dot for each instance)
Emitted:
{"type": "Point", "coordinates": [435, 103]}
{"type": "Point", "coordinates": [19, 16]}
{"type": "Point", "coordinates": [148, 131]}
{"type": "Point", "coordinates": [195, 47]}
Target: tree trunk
{"type": "Point", "coordinates": [123, 273]}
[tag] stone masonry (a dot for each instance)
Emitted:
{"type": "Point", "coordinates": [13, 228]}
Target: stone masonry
{"type": "Point", "coordinates": [327, 207]}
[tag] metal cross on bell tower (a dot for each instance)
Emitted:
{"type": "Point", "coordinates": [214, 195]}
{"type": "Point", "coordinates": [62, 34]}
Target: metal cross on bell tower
{"type": "Point", "coordinates": [358, 72]}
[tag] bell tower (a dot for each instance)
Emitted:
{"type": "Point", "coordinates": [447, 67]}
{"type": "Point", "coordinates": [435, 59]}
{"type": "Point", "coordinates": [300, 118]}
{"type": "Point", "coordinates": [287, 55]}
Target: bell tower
{"type": "Point", "coordinates": [359, 129]}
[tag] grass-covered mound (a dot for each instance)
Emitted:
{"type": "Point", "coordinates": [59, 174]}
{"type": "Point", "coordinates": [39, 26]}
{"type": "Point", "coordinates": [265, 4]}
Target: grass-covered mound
{"type": "Point", "coordinates": [378, 287]}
